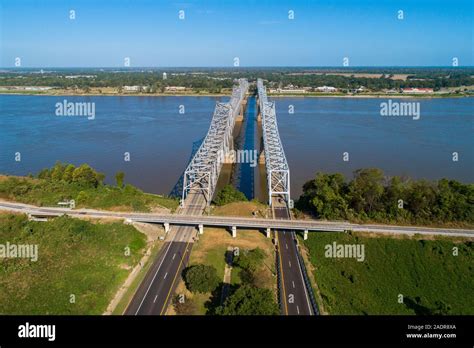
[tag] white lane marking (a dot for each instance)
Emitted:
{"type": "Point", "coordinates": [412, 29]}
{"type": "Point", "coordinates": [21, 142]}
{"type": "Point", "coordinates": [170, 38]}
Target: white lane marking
{"type": "Point", "coordinates": [286, 245]}
{"type": "Point", "coordinates": [298, 309]}
{"type": "Point", "coordinates": [304, 286]}
{"type": "Point", "coordinates": [293, 282]}
{"type": "Point", "coordinates": [157, 270]}
{"type": "Point", "coordinates": [165, 275]}
{"type": "Point", "coordinates": [289, 263]}
{"type": "Point", "coordinates": [174, 255]}
{"type": "Point", "coordinates": [155, 299]}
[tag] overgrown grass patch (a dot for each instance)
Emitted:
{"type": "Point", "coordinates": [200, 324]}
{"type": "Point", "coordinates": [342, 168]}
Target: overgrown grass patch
{"type": "Point", "coordinates": [44, 192]}
{"type": "Point", "coordinates": [76, 259]}
{"type": "Point", "coordinates": [425, 272]}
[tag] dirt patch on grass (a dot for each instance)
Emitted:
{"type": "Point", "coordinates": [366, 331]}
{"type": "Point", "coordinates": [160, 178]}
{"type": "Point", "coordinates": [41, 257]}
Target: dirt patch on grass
{"type": "Point", "coordinates": [245, 209]}
{"type": "Point", "coordinates": [214, 238]}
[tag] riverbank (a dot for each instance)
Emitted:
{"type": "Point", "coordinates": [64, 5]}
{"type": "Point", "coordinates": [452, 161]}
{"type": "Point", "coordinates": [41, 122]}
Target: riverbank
{"type": "Point", "coordinates": [69, 93]}
{"type": "Point", "coordinates": [48, 192]}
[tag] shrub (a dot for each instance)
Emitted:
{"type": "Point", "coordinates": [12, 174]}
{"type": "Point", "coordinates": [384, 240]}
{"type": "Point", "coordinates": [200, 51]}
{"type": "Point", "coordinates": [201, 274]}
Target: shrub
{"type": "Point", "coordinates": [201, 278]}
{"type": "Point", "coordinates": [228, 195]}
{"type": "Point", "coordinates": [247, 300]}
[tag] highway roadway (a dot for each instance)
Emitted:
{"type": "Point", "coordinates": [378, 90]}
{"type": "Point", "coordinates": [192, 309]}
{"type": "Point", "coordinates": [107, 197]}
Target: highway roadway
{"type": "Point", "coordinates": [294, 296]}
{"type": "Point", "coordinates": [228, 221]}
{"type": "Point", "coordinates": [156, 290]}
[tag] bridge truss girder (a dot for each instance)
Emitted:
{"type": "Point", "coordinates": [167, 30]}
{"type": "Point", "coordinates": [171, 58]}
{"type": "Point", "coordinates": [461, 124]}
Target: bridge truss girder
{"type": "Point", "coordinates": [278, 172]}
{"type": "Point", "coordinates": [203, 171]}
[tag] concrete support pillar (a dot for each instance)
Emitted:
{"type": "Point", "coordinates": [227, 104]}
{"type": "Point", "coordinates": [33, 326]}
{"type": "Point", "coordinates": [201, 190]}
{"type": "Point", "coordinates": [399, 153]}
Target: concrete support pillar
{"type": "Point", "coordinates": [268, 232]}
{"type": "Point", "coordinates": [234, 231]}
{"type": "Point", "coordinates": [201, 229]}
{"type": "Point", "coordinates": [305, 234]}
{"type": "Point", "coordinates": [166, 225]}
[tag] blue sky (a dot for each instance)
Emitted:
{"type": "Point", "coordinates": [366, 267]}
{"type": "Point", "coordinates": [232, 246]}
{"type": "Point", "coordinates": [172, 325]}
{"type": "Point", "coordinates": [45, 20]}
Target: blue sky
{"type": "Point", "coordinates": [213, 32]}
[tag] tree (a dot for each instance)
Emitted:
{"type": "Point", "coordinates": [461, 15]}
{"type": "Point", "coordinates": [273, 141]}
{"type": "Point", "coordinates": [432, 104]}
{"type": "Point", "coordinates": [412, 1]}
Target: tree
{"type": "Point", "coordinates": [119, 177]}
{"type": "Point", "coordinates": [228, 195]}
{"type": "Point", "coordinates": [44, 174]}
{"type": "Point", "coordinates": [67, 175]}
{"type": "Point", "coordinates": [57, 171]}
{"type": "Point", "coordinates": [366, 190]}
{"type": "Point", "coordinates": [421, 199]}
{"type": "Point", "coordinates": [250, 259]}
{"type": "Point", "coordinates": [324, 196]}
{"type": "Point", "coordinates": [201, 278]}
{"type": "Point", "coordinates": [85, 175]}
{"type": "Point", "coordinates": [248, 300]}
{"type": "Point", "coordinates": [393, 193]}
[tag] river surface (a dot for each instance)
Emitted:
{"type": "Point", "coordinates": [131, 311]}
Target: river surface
{"type": "Point", "coordinates": [159, 139]}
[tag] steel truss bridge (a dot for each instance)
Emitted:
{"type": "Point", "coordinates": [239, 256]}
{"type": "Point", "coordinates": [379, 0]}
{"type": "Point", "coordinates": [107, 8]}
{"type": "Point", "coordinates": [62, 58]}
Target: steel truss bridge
{"type": "Point", "coordinates": [202, 173]}
{"type": "Point", "coordinates": [278, 172]}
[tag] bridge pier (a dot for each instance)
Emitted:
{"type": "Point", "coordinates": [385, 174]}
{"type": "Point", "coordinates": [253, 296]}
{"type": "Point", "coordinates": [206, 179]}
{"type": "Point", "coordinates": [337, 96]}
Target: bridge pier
{"type": "Point", "coordinates": [268, 232]}
{"type": "Point", "coordinates": [234, 231]}
{"type": "Point", "coordinates": [201, 228]}
{"type": "Point", "coordinates": [166, 226]}
{"type": "Point", "coordinates": [305, 235]}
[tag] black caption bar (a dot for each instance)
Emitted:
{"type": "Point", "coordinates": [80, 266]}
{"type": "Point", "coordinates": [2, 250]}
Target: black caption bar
{"type": "Point", "coordinates": [141, 330]}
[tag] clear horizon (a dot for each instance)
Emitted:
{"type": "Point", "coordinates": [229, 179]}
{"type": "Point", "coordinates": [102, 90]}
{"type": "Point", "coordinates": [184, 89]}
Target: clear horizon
{"type": "Point", "coordinates": [245, 67]}
{"type": "Point", "coordinates": [213, 33]}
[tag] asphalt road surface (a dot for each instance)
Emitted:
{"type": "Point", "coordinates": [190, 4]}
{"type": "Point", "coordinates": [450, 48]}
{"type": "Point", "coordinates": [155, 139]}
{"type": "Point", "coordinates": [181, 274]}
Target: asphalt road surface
{"type": "Point", "coordinates": [156, 290]}
{"type": "Point", "coordinates": [293, 296]}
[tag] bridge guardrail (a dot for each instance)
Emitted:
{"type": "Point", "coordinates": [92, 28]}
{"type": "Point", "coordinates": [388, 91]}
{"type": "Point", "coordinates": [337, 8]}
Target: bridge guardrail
{"type": "Point", "coordinates": [307, 281]}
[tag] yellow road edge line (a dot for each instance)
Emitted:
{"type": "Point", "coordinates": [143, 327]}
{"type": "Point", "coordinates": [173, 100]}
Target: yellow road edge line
{"type": "Point", "coordinates": [174, 279]}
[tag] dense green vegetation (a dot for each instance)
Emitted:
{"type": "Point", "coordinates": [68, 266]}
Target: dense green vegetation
{"type": "Point", "coordinates": [249, 300]}
{"type": "Point", "coordinates": [75, 257]}
{"type": "Point", "coordinates": [215, 79]}
{"type": "Point", "coordinates": [84, 185]}
{"type": "Point", "coordinates": [247, 293]}
{"type": "Point", "coordinates": [201, 278]}
{"type": "Point", "coordinates": [247, 296]}
{"type": "Point", "coordinates": [246, 265]}
{"type": "Point", "coordinates": [372, 196]}
{"type": "Point", "coordinates": [229, 194]}
{"type": "Point", "coordinates": [430, 276]}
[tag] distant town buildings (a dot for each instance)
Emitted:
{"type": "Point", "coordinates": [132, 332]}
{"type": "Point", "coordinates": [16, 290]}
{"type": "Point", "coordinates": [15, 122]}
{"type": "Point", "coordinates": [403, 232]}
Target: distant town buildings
{"type": "Point", "coordinates": [80, 76]}
{"type": "Point", "coordinates": [132, 88]}
{"type": "Point", "coordinates": [361, 89]}
{"type": "Point", "coordinates": [290, 89]}
{"type": "Point", "coordinates": [25, 88]}
{"type": "Point", "coordinates": [417, 90]}
{"type": "Point", "coordinates": [174, 88]}
{"type": "Point", "coordinates": [326, 89]}
{"type": "Point", "coordinates": [165, 76]}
